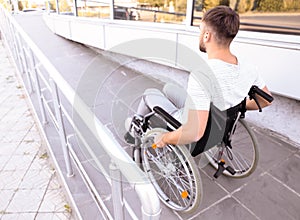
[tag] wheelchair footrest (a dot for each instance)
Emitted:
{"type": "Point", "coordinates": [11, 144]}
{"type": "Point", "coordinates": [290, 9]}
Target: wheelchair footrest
{"type": "Point", "coordinates": [222, 167]}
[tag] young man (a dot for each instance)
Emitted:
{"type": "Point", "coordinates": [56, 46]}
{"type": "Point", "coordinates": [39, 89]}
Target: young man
{"type": "Point", "coordinates": [230, 78]}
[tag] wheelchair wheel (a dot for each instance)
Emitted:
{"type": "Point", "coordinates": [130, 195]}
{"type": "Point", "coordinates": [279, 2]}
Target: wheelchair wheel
{"type": "Point", "coordinates": [173, 173]}
{"type": "Point", "coordinates": [242, 157]}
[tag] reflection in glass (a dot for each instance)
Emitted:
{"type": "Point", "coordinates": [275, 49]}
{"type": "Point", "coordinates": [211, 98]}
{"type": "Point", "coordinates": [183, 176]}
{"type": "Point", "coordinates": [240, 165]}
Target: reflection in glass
{"type": "Point", "coordinates": [164, 11]}
{"type": "Point", "coordinates": [258, 15]}
{"type": "Point", "coordinates": [95, 8]}
{"type": "Point", "coordinates": [64, 6]}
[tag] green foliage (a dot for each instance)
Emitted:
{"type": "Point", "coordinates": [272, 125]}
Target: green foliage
{"type": "Point", "coordinates": [20, 6]}
{"type": "Point", "coordinates": [6, 5]}
{"type": "Point", "coordinates": [271, 5]}
{"type": "Point", "coordinates": [52, 5]}
{"type": "Point", "coordinates": [68, 208]}
{"type": "Point", "coordinates": [291, 5]}
{"type": "Point", "coordinates": [244, 6]}
{"type": "Point", "coordinates": [208, 4]}
{"type": "Point", "coordinates": [154, 3]}
{"type": "Point", "coordinates": [224, 2]}
{"type": "Point", "coordinates": [64, 6]}
{"type": "Point", "coordinates": [180, 6]}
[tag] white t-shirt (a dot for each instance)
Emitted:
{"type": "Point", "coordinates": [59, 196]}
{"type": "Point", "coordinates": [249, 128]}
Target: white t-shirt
{"type": "Point", "coordinates": [226, 85]}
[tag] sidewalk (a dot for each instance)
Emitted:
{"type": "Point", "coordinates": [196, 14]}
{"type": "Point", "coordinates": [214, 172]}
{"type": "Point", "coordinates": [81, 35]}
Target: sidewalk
{"type": "Point", "coordinates": [29, 187]}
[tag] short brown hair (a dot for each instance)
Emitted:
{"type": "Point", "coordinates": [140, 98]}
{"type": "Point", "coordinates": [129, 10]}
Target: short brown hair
{"type": "Point", "coordinates": [224, 21]}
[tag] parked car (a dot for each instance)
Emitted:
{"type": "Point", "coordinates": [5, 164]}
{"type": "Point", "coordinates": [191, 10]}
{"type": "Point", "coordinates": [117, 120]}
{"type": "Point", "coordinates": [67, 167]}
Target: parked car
{"type": "Point", "coordinates": [121, 14]}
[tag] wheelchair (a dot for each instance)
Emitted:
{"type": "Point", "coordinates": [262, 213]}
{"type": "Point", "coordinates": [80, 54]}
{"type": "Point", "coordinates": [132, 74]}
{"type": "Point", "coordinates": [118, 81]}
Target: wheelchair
{"type": "Point", "coordinates": [228, 143]}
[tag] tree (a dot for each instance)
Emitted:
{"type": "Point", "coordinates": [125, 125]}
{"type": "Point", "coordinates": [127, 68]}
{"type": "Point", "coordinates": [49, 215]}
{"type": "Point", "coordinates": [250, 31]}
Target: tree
{"type": "Point", "coordinates": [180, 6]}
{"type": "Point", "coordinates": [243, 6]}
{"type": "Point", "coordinates": [291, 5]}
{"type": "Point", "coordinates": [224, 2]}
{"type": "Point", "coordinates": [208, 4]}
{"type": "Point", "coordinates": [271, 5]}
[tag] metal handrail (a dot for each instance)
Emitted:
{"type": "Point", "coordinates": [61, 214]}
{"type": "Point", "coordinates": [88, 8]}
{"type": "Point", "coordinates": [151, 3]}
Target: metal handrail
{"type": "Point", "coordinates": [120, 159]}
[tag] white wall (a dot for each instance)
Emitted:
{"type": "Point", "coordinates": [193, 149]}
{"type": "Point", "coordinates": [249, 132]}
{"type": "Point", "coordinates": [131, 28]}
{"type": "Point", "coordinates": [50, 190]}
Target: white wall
{"type": "Point", "coordinates": [276, 56]}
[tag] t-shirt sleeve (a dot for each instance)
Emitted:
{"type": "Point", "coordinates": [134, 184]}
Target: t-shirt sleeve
{"type": "Point", "coordinates": [259, 81]}
{"type": "Point", "coordinates": [198, 92]}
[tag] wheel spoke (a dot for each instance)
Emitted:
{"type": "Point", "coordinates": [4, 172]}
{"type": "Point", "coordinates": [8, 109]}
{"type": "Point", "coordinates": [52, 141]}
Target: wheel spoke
{"type": "Point", "coordinates": [243, 155]}
{"type": "Point", "coordinates": [173, 174]}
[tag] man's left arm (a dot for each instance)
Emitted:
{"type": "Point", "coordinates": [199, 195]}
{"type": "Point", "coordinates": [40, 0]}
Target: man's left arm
{"type": "Point", "coordinates": [251, 105]}
{"type": "Point", "coordinates": [189, 132]}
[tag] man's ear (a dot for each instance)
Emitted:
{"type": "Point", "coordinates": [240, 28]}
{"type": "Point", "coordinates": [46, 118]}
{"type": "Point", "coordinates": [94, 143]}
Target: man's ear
{"type": "Point", "coordinates": [206, 36]}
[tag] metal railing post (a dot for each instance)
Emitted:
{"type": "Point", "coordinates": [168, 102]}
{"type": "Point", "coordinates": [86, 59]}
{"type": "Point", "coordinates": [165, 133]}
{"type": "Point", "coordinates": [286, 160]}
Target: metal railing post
{"type": "Point", "coordinates": [14, 46]}
{"type": "Point", "coordinates": [38, 88]}
{"type": "Point", "coordinates": [18, 47]}
{"type": "Point", "coordinates": [27, 70]}
{"type": "Point", "coordinates": [61, 128]}
{"type": "Point", "coordinates": [116, 191]}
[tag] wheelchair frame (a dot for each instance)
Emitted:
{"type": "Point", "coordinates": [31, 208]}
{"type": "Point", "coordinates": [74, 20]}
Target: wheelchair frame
{"type": "Point", "coordinates": [172, 170]}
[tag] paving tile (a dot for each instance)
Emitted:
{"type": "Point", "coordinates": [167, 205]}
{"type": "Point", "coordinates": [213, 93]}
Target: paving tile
{"type": "Point", "coordinates": [288, 172]}
{"type": "Point", "coordinates": [26, 201]}
{"type": "Point", "coordinates": [54, 201]}
{"type": "Point", "coordinates": [27, 147]}
{"type": "Point", "coordinates": [54, 183]}
{"type": "Point", "coordinates": [269, 199]}
{"type": "Point", "coordinates": [3, 111]}
{"type": "Point", "coordinates": [19, 162]}
{"type": "Point", "coordinates": [33, 136]}
{"type": "Point", "coordinates": [35, 179]}
{"type": "Point", "coordinates": [7, 149]}
{"type": "Point", "coordinates": [11, 179]}
{"type": "Point", "coordinates": [14, 115]}
{"type": "Point", "coordinates": [53, 216]}
{"type": "Point", "coordinates": [12, 136]}
{"type": "Point", "coordinates": [18, 216]}
{"type": "Point", "coordinates": [3, 161]}
{"type": "Point", "coordinates": [272, 150]}
{"type": "Point", "coordinates": [228, 208]}
{"type": "Point", "coordinates": [24, 125]}
{"type": "Point", "coordinates": [229, 183]}
{"type": "Point", "coordinates": [41, 162]}
{"type": "Point", "coordinates": [212, 193]}
{"type": "Point", "coordinates": [5, 198]}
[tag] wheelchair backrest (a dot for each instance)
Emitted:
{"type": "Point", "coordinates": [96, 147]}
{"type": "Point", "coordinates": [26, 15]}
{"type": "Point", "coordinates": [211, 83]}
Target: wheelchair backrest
{"type": "Point", "coordinates": [218, 128]}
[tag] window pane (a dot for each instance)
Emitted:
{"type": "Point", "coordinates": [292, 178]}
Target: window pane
{"type": "Point", "coordinates": [275, 16]}
{"type": "Point", "coordinates": [94, 8]}
{"type": "Point", "coordinates": [165, 11]}
{"type": "Point", "coordinates": [64, 6]}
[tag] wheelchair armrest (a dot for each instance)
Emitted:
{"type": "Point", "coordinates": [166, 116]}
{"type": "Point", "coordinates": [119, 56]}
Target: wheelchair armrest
{"type": "Point", "coordinates": [165, 115]}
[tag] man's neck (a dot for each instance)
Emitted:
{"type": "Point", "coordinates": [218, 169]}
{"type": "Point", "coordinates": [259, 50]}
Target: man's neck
{"type": "Point", "coordinates": [223, 54]}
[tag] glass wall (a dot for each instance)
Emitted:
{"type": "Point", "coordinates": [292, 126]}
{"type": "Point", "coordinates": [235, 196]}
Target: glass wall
{"type": "Point", "coordinates": [164, 11]}
{"type": "Point", "coordinates": [275, 16]}
{"type": "Point", "coordinates": [93, 9]}
{"type": "Point", "coordinates": [64, 6]}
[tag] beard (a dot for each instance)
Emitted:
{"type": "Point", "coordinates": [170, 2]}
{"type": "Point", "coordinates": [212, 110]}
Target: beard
{"type": "Point", "coordinates": [202, 47]}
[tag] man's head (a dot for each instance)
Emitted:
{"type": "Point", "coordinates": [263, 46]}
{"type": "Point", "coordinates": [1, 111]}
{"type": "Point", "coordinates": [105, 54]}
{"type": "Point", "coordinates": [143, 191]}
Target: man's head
{"type": "Point", "coordinates": [222, 23]}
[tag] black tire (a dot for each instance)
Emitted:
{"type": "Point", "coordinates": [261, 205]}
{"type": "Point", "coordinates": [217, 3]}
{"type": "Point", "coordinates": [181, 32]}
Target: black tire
{"type": "Point", "coordinates": [173, 173]}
